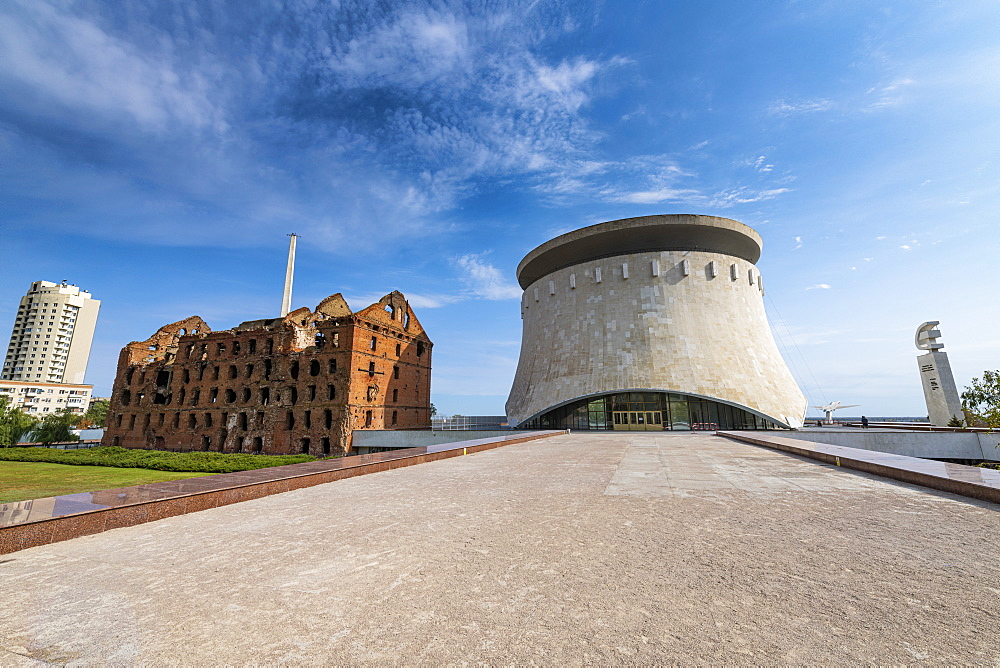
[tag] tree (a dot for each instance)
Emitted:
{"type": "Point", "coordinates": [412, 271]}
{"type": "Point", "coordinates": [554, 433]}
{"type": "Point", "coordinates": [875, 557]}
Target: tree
{"type": "Point", "coordinates": [434, 411]}
{"type": "Point", "coordinates": [55, 428]}
{"type": "Point", "coordinates": [981, 399]}
{"type": "Point", "coordinates": [14, 423]}
{"type": "Point", "coordinates": [96, 414]}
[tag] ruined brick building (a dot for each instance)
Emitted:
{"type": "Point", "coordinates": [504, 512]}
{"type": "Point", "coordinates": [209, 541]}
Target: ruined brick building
{"type": "Point", "coordinates": [297, 384]}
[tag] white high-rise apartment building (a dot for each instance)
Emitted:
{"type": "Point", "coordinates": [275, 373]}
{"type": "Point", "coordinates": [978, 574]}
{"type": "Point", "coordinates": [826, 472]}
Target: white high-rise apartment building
{"type": "Point", "coordinates": [52, 334]}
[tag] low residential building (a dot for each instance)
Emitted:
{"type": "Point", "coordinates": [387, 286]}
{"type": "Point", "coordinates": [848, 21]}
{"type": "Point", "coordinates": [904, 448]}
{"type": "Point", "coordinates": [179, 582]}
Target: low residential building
{"type": "Point", "coordinates": [41, 398]}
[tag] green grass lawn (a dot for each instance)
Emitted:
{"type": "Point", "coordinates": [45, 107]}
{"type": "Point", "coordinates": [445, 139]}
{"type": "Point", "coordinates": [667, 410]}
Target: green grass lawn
{"type": "Point", "coordinates": [20, 481]}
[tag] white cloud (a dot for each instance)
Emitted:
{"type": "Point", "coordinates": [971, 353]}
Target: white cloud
{"type": "Point", "coordinates": [72, 63]}
{"type": "Point", "coordinates": [484, 280]}
{"type": "Point", "coordinates": [788, 108]}
{"type": "Point", "coordinates": [906, 247]}
{"type": "Point", "coordinates": [819, 286]}
{"type": "Point", "coordinates": [889, 95]}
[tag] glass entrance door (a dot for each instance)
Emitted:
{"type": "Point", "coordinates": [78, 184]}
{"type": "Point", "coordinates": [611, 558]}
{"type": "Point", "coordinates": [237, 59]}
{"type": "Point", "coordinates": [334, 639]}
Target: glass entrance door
{"type": "Point", "coordinates": [638, 420]}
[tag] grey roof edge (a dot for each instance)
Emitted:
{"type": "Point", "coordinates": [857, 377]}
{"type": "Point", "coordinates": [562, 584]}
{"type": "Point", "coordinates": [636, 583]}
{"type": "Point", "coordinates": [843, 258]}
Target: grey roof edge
{"type": "Point", "coordinates": [640, 234]}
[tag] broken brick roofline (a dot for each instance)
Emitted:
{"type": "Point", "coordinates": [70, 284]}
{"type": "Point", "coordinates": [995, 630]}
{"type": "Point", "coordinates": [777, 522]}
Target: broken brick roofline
{"type": "Point", "coordinates": [301, 383]}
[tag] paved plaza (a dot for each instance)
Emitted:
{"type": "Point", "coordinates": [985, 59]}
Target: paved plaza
{"type": "Point", "coordinates": [598, 548]}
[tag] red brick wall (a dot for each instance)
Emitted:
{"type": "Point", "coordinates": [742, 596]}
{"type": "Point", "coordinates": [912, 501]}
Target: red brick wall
{"type": "Point", "coordinates": [301, 383]}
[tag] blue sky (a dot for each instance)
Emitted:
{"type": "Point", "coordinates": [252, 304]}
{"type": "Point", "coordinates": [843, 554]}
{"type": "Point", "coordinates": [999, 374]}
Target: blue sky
{"type": "Point", "coordinates": [156, 153]}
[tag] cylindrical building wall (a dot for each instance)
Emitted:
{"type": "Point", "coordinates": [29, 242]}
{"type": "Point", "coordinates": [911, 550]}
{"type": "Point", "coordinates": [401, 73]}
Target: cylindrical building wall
{"type": "Point", "coordinates": [668, 304]}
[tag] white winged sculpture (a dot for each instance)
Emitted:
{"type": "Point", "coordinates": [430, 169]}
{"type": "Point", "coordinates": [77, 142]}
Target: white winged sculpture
{"type": "Point", "coordinates": [829, 408]}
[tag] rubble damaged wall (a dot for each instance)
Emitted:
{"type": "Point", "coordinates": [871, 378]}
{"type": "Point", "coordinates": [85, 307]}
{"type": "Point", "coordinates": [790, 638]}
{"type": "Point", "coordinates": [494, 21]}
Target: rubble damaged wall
{"type": "Point", "coordinates": [301, 383]}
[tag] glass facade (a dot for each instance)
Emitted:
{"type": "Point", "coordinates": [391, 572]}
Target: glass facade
{"type": "Point", "coordinates": [648, 411]}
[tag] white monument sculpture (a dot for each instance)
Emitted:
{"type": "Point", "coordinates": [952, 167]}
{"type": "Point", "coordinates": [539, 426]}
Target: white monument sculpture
{"type": "Point", "coordinates": [940, 391]}
{"type": "Point", "coordinates": [829, 408]}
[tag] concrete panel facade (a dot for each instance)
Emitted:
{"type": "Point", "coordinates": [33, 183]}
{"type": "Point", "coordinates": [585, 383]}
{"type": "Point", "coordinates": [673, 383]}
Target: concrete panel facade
{"type": "Point", "coordinates": [688, 320]}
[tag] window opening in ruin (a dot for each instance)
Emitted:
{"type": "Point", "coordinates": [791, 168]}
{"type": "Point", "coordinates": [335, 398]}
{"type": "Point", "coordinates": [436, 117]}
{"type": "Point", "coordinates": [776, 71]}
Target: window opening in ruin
{"type": "Point", "coordinates": [186, 376]}
{"type": "Point", "coordinates": [230, 396]}
{"type": "Point", "coordinates": [248, 372]}
{"type": "Point", "coordinates": [206, 443]}
{"type": "Point", "coordinates": [305, 446]}
{"type": "Point", "coordinates": [293, 395]}
{"type": "Point", "coordinates": [236, 347]}
{"type": "Point", "coordinates": [327, 418]}
{"type": "Point", "coordinates": [204, 352]}
{"type": "Point", "coordinates": [201, 372]}
{"type": "Point", "coordinates": [406, 321]}
{"type": "Point", "coordinates": [246, 395]}
{"type": "Point", "coordinates": [221, 349]}
{"type": "Point", "coordinates": [159, 422]}
{"type": "Point", "coordinates": [307, 419]}
{"type": "Point", "coordinates": [125, 398]}
{"type": "Point", "coordinates": [294, 370]}
{"type": "Point", "coordinates": [213, 395]}
{"type": "Point", "coordinates": [188, 350]}
{"type": "Point", "coordinates": [395, 395]}
{"type": "Point", "coordinates": [128, 376]}
{"type": "Point", "coordinates": [131, 422]}
{"type": "Point", "coordinates": [311, 390]}
{"type": "Point", "coordinates": [399, 349]}
{"type": "Point", "coordinates": [195, 397]}
{"type": "Point", "coordinates": [142, 377]}
{"type": "Point", "coordinates": [192, 421]}
{"type": "Point", "coordinates": [116, 441]}
{"type": "Point", "coordinates": [390, 310]}
{"type": "Point", "coordinates": [233, 371]}
{"type": "Point", "coordinates": [223, 435]}
{"type": "Point", "coordinates": [215, 373]}
{"type": "Point", "coordinates": [118, 420]}
{"type": "Point", "coordinates": [374, 344]}
{"type": "Point", "coordinates": [395, 416]}
{"type": "Point", "coordinates": [260, 418]}
{"type": "Point", "coordinates": [145, 421]}
{"type": "Point", "coordinates": [320, 339]}
{"type": "Point", "coordinates": [420, 348]}
{"type": "Point", "coordinates": [252, 346]}
{"type": "Point", "coordinates": [333, 366]}
{"type": "Point", "coordinates": [265, 395]}
{"type": "Point", "coordinates": [368, 418]}
{"type": "Point", "coordinates": [290, 420]}
{"type": "Point", "coordinates": [270, 346]}
{"type": "Point", "coordinates": [314, 368]}
{"type": "Point", "coordinates": [139, 397]}
{"type": "Point", "coordinates": [267, 369]}
{"type": "Point", "coordinates": [258, 444]}
{"type": "Point", "coordinates": [336, 339]}
{"type": "Point", "coordinates": [395, 372]}
{"type": "Point", "coordinates": [326, 445]}
{"type": "Point", "coordinates": [371, 369]}
{"type": "Point", "coordinates": [331, 392]}
{"type": "Point", "coordinates": [177, 420]}
{"type": "Point", "coordinates": [243, 421]}
{"type": "Point", "coordinates": [208, 419]}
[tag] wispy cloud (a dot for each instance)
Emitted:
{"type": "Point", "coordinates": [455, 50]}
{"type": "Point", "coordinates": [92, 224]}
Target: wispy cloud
{"type": "Point", "coordinates": [790, 107]}
{"type": "Point", "coordinates": [819, 286]}
{"type": "Point", "coordinates": [888, 95]}
{"type": "Point", "coordinates": [484, 280]}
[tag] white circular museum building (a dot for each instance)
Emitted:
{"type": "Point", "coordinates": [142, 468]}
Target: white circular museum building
{"type": "Point", "coordinates": [650, 323]}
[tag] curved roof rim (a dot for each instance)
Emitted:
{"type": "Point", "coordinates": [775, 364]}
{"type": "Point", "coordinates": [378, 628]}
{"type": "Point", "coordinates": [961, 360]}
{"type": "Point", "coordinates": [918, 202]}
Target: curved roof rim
{"type": "Point", "coordinates": [681, 232]}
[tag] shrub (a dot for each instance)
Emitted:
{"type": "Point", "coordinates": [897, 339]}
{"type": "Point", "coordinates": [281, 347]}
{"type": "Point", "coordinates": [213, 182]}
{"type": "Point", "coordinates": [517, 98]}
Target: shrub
{"type": "Point", "coordinates": [158, 460]}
